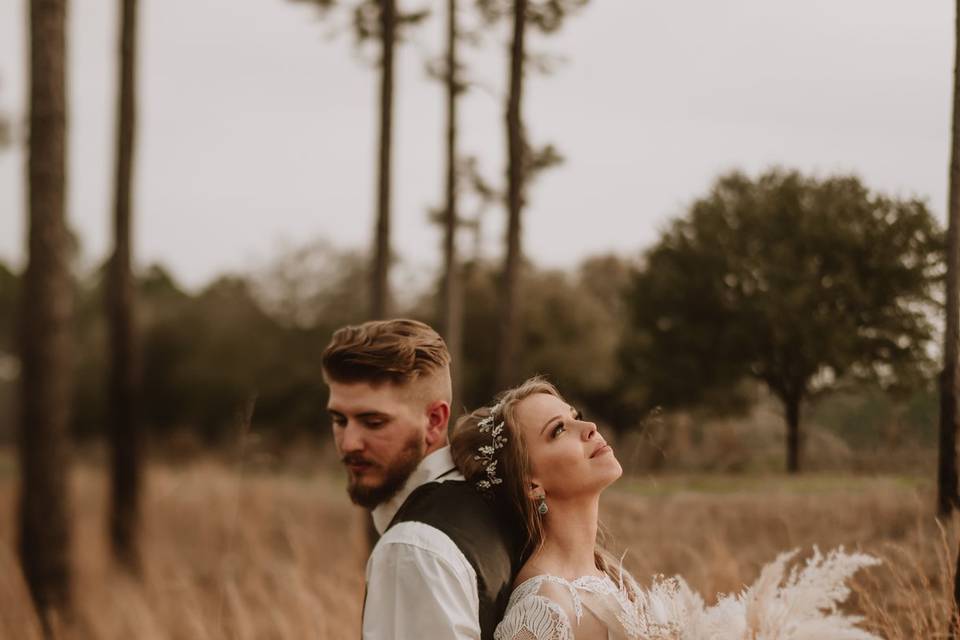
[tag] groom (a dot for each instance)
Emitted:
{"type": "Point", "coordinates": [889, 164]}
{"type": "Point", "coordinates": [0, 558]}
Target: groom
{"type": "Point", "coordinates": [444, 563]}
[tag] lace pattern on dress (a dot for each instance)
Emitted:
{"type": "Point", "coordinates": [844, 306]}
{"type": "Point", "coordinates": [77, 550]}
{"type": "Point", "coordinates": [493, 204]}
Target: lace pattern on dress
{"type": "Point", "coordinates": [647, 615]}
{"type": "Point", "coordinates": [535, 618]}
{"type": "Point", "coordinates": [531, 616]}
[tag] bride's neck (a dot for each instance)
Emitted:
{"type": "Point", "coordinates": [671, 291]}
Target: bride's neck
{"type": "Point", "coordinates": [570, 536]}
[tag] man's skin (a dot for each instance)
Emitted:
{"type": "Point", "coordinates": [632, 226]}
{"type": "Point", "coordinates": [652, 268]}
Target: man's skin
{"type": "Point", "coordinates": [383, 431]}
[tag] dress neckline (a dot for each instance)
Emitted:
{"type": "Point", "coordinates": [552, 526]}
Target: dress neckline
{"type": "Point", "coordinates": [579, 582]}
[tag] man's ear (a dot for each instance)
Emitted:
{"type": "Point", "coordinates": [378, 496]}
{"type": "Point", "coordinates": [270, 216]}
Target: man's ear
{"type": "Point", "coordinates": [438, 415]}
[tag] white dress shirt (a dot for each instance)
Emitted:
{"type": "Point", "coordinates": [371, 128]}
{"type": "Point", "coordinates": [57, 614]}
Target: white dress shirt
{"type": "Point", "coordinates": [420, 586]}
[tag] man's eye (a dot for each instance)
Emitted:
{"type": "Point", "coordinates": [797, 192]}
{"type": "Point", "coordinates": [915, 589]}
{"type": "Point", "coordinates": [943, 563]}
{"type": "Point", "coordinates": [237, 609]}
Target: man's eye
{"type": "Point", "coordinates": [338, 421]}
{"type": "Point", "coordinates": [374, 423]}
{"type": "Point", "coordinates": [557, 430]}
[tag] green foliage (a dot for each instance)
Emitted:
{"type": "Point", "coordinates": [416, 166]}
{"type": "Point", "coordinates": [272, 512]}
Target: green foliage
{"type": "Point", "coordinates": [546, 15]}
{"type": "Point", "coordinates": [365, 17]}
{"type": "Point", "coordinates": [794, 281]}
{"type": "Point", "coordinates": [6, 137]}
{"type": "Point", "coordinates": [571, 330]}
{"type": "Point", "coordinates": [868, 417]}
{"type": "Point", "coordinates": [205, 354]}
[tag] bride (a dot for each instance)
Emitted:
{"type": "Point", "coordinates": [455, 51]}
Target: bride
{"type": "Point", "coordinates": [540, 460]}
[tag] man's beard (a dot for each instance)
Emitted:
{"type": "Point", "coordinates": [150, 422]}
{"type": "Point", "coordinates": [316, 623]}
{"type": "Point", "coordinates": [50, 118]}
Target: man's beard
{"type": "Point", "coordinates": [395, 476]}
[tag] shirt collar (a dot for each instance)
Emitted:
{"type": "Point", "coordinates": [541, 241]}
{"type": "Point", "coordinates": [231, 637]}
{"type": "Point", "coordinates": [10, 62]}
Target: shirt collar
{"type": "Point", "coordinates": [438, 463]}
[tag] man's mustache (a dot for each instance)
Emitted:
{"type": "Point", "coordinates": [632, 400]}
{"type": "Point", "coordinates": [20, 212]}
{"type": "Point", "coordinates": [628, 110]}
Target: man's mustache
{"type": "Point", "coordinates": [355, 458]}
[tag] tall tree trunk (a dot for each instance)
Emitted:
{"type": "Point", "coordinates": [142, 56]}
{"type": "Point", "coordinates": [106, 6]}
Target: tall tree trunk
{"type": "Point", "coordinates": [452, 296]}
{"type": "Point", "coordinates": [381, 243]}
{"type": "Point", "coordinates": [947, 498]}
{"type": "Point", "coordinates": [954, 625]}
{"type": "Point", "coordinates": [791, 405]}
{"type": "Point", "coordinates": [380, 289]}
{"type": "Point", "coordinates": [124, 377]}
{"type": "Point", "coordinates": [947, 491]}
{"type": "Point", "coordinates": [45, 312]}
{"type": "Point", "coordinates": [509, 313]}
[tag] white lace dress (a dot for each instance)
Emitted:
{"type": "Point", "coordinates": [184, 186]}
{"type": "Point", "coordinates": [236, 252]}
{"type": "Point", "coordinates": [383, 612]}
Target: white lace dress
{"type": "Point", "coordinates": [551, 608]}
{"type": "Point", "coordinates": [797, 605]}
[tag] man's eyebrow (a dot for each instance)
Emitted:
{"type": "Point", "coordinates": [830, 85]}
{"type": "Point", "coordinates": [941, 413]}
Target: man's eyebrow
{"type": "Point", "coordinates": [372, 414]}
{"type": "Point", "coordinates": [362, 414]}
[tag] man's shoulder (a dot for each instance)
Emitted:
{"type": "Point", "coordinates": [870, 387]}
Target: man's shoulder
{"type": "Point", "coordinates": [456, 508]}
{"type": "Point", "coordinates": [454, 503]}
{"type": "Point", "coordinates": [420, 540]}
{"type": "Point", "coordinates": [413, 533]}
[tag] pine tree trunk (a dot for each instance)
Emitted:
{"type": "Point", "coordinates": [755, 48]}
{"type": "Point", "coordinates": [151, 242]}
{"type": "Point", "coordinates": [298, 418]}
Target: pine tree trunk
{"type": "Point", "coordinates": [45, 313]}
{"type": "Point", "coordinates": [381, 244]}
{"type": "Point", "coordinates": [792, 406]}
{"type": "Point", "coordinates": [509, 313]}
{"type": "Point", "coordinates": [124, 376]}
{"type": "Point", "coordinates": [452, 296]}
{"type": "Point", "coordinates": [954, 626]}
{"type": "Point", "coordinates": [947, 498]}
{"type": "Point", "coordinates": [380, 285]}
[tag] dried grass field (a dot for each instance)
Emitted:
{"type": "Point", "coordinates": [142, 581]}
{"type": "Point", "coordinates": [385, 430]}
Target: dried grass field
{"type": "Point", "coordinates": [278, 555]}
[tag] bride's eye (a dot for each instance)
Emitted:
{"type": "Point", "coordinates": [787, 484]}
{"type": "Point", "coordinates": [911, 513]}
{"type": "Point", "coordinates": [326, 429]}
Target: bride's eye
{"type": "Point", "coordinates": [578, 415]}
{"type": "Point", "coordinates": [557, 430]}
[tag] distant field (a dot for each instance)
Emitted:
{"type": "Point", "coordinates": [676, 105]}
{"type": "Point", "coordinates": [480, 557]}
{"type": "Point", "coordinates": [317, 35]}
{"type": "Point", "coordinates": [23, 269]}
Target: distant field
{"type": "Point", "coordinates": [279, 555]}
{"type": "Point", "coordinates": [671, 484]}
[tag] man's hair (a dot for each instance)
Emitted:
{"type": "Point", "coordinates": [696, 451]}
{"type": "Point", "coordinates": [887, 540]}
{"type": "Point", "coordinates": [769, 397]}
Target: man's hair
{"type": "Point", "coordinates": [397, 351]}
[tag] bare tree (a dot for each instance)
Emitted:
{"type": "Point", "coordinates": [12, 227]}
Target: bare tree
{"type": "Point", "coordinates": [124, 372]}
{"type": "Point", "coordinates": [947, 498]}
{"type": "Point", "coordinates": [523, 162]}
{"type": "Point", "coordinates": [380, 20]}
{"type": "Point", "coordinates": [452, 294]}
{"type": "Point", "coordinates": [380, 289]}
{"type": "Point", "coordinates": [45, 312]}
{"type": "Point", "coordinates": [947, 491]}
{"type": "Point", "coordinates": [508, 314]}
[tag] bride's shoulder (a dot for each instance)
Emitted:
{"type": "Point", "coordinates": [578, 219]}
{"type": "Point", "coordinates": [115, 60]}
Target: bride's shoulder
{"type": "Point", "coordinates": [541, 606]}
{"type": "Point", "coordinates": [560, 592]}
{"type": "Point", "coordinates": [540, 586]}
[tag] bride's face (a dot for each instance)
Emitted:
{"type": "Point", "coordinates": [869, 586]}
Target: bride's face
{"type": "Point", "coordinates": [568, 456]}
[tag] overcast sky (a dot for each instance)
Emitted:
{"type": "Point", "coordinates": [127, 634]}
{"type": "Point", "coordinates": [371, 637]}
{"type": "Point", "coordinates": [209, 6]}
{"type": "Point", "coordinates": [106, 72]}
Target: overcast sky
{"type": "Point", "coordinates": [258, 122]}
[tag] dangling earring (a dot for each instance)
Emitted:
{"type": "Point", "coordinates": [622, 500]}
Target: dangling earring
{"type": "Point", "coordinates": [542, 506]}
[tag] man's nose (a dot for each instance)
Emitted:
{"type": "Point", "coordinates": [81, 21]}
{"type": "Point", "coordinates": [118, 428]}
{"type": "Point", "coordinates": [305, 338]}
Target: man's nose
{"type": "Point", "coordinates": [351, 438]}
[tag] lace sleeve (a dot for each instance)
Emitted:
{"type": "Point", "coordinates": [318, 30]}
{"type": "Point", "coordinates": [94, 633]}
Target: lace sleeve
{"type": "Point", "coordinates": [534, 618]}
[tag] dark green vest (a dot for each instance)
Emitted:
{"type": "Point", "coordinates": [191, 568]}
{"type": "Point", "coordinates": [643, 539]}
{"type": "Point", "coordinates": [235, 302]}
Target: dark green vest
{"type": "Point", "coordinates": [491, 544]}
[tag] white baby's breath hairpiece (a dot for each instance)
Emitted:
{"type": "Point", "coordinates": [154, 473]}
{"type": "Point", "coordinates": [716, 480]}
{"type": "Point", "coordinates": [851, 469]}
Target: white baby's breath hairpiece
{"type": "Point", "coordinates": [487, 452]}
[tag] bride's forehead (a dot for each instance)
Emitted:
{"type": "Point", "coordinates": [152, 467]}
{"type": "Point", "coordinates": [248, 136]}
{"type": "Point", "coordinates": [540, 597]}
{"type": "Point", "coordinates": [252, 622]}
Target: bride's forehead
{"type": "Point", "coordinates": [540, 406]}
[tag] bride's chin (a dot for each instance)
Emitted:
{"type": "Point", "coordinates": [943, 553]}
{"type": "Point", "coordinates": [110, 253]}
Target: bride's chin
{"type": "Point", "coordinates": [615, 473]}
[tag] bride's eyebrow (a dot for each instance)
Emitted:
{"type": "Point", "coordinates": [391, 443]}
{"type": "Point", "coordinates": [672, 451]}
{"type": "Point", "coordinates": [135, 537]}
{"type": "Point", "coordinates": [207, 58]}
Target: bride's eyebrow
{"type": "Point", "coordinates": [547, 423]}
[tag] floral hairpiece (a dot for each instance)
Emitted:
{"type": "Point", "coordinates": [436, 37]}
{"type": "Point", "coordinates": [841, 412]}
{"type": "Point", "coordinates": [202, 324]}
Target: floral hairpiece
{"type": "Point", "coordinates": [488, 451]}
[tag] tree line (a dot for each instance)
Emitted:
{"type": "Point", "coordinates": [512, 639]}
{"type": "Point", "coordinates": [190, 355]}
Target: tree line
{"type": "Point", "coordinates": [670, 328]}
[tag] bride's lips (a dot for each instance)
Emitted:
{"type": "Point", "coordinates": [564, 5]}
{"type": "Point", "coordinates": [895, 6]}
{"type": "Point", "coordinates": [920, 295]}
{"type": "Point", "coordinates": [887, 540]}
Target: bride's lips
{"type": "Point", "coordinates": [604, 448]}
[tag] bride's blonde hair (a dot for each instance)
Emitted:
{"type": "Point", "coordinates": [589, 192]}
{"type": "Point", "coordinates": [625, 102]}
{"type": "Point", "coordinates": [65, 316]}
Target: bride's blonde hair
{"type": "Point", "coordinates": [513, 468]}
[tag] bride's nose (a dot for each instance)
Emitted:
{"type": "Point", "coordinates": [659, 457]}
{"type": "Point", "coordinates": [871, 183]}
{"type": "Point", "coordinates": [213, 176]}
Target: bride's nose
{"type": "Point", "coordinates": [589, 430]}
